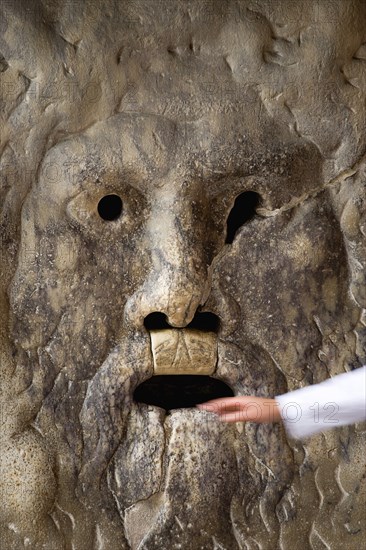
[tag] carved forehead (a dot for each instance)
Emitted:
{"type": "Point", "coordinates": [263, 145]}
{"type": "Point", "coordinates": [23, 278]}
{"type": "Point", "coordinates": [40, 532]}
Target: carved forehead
{"type": "Point", "coordinates": [211, 149]}
{"type": "Point", "coordinates": [128, 140]}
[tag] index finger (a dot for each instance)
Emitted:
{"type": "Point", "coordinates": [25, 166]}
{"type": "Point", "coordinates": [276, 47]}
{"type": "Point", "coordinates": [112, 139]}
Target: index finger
{"type": "Point", "coordinates": [221, 402]}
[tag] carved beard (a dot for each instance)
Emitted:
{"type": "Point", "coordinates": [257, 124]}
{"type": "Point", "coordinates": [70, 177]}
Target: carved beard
{"type": "Point", "coordinates": [184, 473]}
{"type": "Point", "coordinates": [190, 475]}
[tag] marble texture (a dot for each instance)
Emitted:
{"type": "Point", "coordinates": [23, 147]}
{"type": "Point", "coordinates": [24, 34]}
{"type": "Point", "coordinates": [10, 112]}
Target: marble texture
{"type": "Point", "coordinates": [178, 107]}
{"type": "Point", "coordinates": [184, 351]}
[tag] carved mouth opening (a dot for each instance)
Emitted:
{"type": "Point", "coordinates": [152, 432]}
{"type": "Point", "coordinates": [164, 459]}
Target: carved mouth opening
{"type": "Point", "coordinates": [180, 390]}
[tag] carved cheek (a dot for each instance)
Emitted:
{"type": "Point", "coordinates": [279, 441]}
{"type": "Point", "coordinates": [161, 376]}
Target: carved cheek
{"type": "Point", "coordinates": [283, 273]}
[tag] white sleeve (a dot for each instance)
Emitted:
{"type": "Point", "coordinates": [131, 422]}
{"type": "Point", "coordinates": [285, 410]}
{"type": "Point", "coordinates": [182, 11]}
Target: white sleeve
{"type": "Point", "coordinates": [335, 402]}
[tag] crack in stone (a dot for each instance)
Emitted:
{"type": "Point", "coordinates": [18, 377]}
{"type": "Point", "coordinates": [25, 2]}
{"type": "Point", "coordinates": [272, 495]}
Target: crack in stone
{"type": "Point", "coordinates": [296, 201]}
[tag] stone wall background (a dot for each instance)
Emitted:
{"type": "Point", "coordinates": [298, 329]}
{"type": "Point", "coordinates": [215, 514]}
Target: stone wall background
{"type": "Point", "coordinates": [296, 68]}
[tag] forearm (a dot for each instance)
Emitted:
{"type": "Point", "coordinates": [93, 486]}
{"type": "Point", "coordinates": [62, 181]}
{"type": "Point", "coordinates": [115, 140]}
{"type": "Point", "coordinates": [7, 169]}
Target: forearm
{"type": "Point", "coordinates": [336, 402]}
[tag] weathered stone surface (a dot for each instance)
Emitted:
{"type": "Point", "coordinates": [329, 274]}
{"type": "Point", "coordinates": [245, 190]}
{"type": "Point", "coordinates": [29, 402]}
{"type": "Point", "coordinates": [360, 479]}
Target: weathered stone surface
{"type": "Point", "coordinates": [178, 108]}
{"type": "Point", "coordinates": [184, 351]}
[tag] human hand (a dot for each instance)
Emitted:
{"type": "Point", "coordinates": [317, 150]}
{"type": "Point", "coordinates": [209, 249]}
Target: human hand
{"type": "Point", "coordinates": [243, 409]}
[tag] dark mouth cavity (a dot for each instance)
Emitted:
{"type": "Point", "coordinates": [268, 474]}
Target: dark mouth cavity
{"type": "Point", "coordinates": [180, 390]}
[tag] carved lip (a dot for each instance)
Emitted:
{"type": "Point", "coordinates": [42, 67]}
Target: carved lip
{"type": "Point", "coordinates": [184, 362]}
{"type": "Point", "coordinates": [183, 351]}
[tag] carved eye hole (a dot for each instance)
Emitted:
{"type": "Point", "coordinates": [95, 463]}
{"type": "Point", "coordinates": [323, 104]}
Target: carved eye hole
{"type": "Point", "coordinates": [110, 207]}
{"type": "Point", "coordinates": [244, 209]}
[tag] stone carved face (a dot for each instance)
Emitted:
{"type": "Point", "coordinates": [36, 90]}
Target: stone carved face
{"type": "Point", "coordinates": [81, 297]}
{"type": "Point", "coordinates": [124, 473]}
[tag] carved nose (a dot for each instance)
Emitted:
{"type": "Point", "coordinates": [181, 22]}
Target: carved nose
{"type": "Point", "coordinates": [177, 273]}
{"type": "Point", "coordinates": [172, 288]}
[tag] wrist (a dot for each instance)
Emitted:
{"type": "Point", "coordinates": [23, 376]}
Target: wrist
{"type": "Point", "coordinates": [277, 417]}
